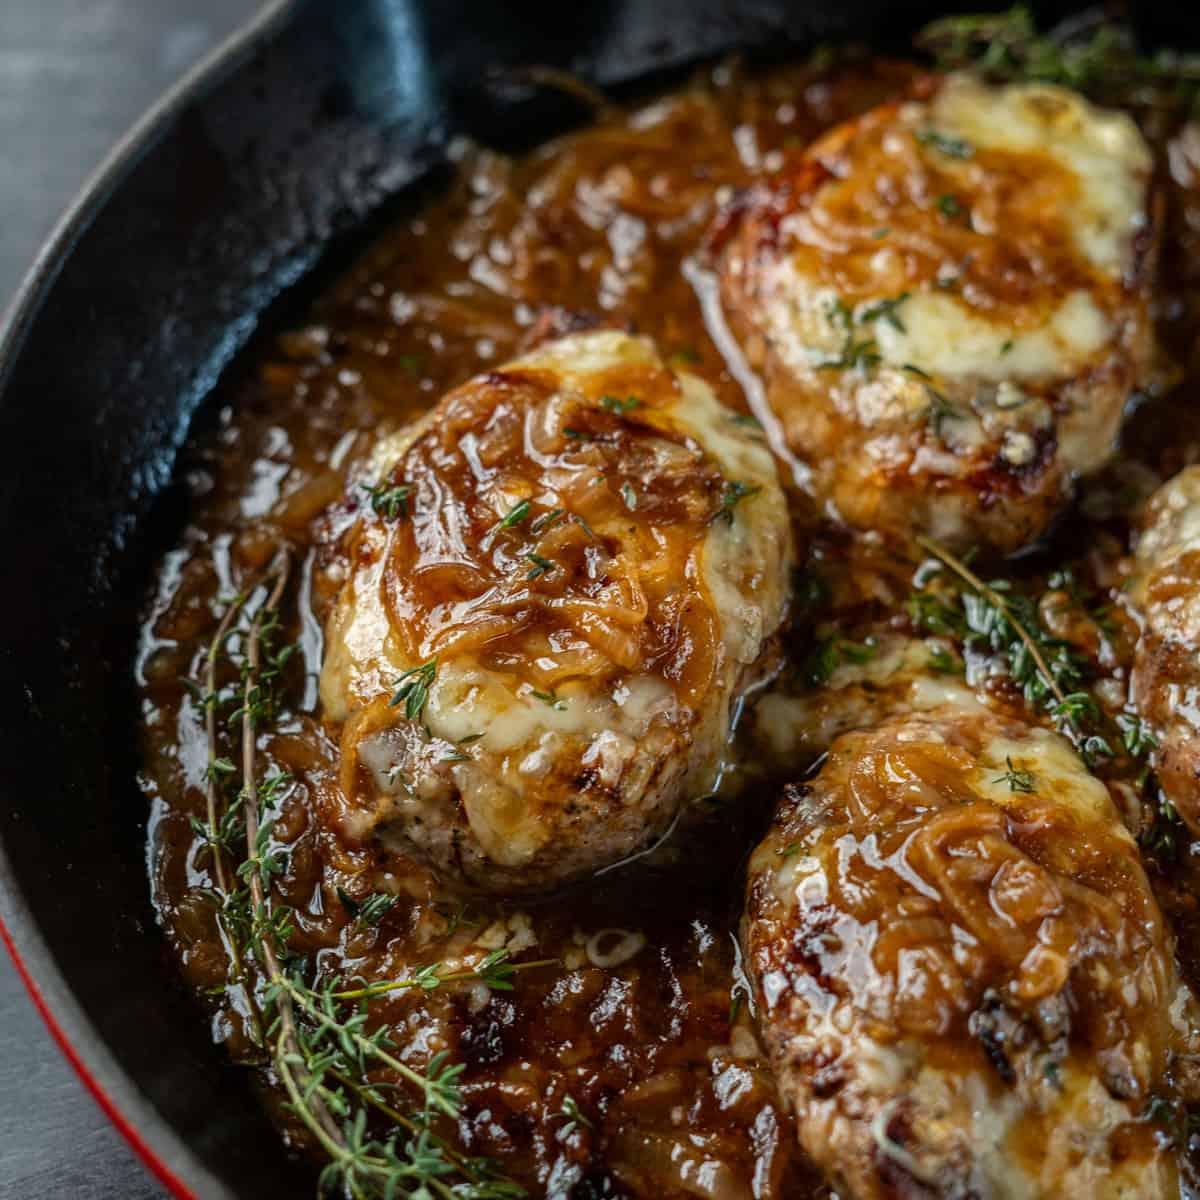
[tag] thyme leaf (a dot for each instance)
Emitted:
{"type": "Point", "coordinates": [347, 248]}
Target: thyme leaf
{"type": "Point", "coordinates": [540, 566]}
{"type": "Point", "coordinates": [546, 520]}
{"type": "Point", "coordinates": [943, 662]}
{"type": "Point", "coordinates": [1018, 779]}
{"type": "Point", "coordinates": [1136, 736]}
{"type": "Point", "coordinates": [390, 500]}
{"type": "Point", "coordinates": [885, 310]}
{"type": "Point", "coordinates": [828, 654]}
{"type": "Point", "coordinates": [949, 205]}
{"type": "Point", "coordinates": [940, 410]}
{"type": "Point", "coordinates": [456, 917]}
{"type": "Point", "coordinates": [615, 404]}
{"type": "Point", "coordinates": [1161, 837]}
{"type": "Point", "coordinates": [571, 1116]}
{"type": "Point", "coordinates": [735, 492]}
{"type": "Point", "coordinates": [369, 911]}
{"type": "Point", "coordinates": [324, 1053]}
{"type": "Point", "coordinates": [494, 971]}
{"type": "Point", "coordinates": [516, 515]}
{"type": "Point", "coordinates": [854, 353]}
{"type": "Point", "coordinates": [735, 1004]}
{"type": "Point", "coordinates": [944, 143]}
{"type": "Point", "coordinates": [413, 688]}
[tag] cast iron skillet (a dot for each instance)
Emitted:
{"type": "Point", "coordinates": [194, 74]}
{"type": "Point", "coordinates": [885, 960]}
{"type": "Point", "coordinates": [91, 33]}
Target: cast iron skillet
{"type": "Point", "coordinates": [274, 159]}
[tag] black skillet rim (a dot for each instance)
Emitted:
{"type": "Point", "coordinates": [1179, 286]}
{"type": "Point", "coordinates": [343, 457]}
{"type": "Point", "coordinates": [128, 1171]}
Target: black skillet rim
{"type": "Point", "coordinates": [156, 1143]}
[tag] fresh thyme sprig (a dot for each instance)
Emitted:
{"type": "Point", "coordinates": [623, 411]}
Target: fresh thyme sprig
{"type": "Point", "coordinates": [1017, 778]}
{"type": "Point", "coordinates": [999, 624]}
{"type": "Point", "coordinates": [270, 932]}
{"type": "Point", "coordinates": [1091, 53]}
{"type": "Point", "coordinates": [221, 831]}
{"type": "Point", "coordinates": [319, 1044]}
{"type": "Point", "coordinates": [494, 971]}
{"type": "Point", "coordinates": [477, 1173]}
{"type": "Point", "coordinates": [222, 840]}
{"type": "Point", "coordinates": [261, 699]}
{"type": "Point", "coordinates": [337, 1051]}
{"type": "Point", "coordinates": [223, 836]}
{"type": "Point", "coordinates": [369, 911]}
{"type": "Point", "coordinates": [1047, 669]}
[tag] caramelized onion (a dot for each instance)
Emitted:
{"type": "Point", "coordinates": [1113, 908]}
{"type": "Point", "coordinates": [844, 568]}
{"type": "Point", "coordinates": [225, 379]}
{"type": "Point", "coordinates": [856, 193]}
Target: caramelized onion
{"type": "Point", "coordinates": [537, 511]}
{"type": "Point", "coordinates": [297, 509]}
{"type": "Point", "coordinates": [614, 947]}
{"type": "Point", "coordinates": [679, 1162]}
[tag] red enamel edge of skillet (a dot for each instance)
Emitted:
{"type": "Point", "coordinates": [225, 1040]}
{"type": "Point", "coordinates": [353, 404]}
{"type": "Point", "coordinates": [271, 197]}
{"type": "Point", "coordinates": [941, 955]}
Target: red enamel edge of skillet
{"type": "Point", "coordinates": [115, 1115]}
{"type": "Point", "coordinates": [20, 315]}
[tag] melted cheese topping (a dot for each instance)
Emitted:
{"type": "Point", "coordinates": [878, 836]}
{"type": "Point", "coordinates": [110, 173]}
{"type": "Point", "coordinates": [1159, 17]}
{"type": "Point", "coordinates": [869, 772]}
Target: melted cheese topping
{"type": "Point", "coordinates": [1054, 184]}
{"type": "Point", "coordinates": [1172, 525]}
{"type": "Point", "coordinates": [550, 682]}
{"type": "Point", "coordinates": [948, 301]}
{"type": "Point", "coordinates": [947, 908]}
{"type": "Point", "coordinates": [1110, 162]}
{"type": "Point", "coordinates": [898, 679]}
{"type": "Point", "coordinates": [941, 335]}
{"type": "Point", "coordinates": [1102, 150]}
{"type": "Point", "coordinates": [1055, 772]}
{"type": "Point", "coordinates": [1166, 588]}
{"type": "Point", "coordinates": [791, 729]}
{"type": "Point", "coordinates": [944, 336]}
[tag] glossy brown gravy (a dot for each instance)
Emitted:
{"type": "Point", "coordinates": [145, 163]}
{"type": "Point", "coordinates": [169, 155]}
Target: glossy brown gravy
{"type": "Point", "coordinates": [657, 1050]}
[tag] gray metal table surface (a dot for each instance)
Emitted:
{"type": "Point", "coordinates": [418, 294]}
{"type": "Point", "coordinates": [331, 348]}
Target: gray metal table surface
{"type": "Point", "coordinates": [74, 75]}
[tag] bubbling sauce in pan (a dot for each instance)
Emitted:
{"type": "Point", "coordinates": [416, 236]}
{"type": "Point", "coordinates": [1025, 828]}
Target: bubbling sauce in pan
{"type": "Point", "coordinates": [621, 1057]}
